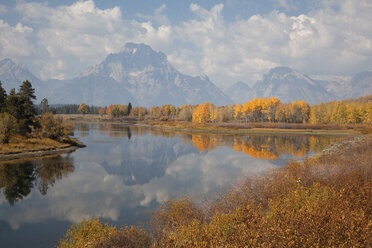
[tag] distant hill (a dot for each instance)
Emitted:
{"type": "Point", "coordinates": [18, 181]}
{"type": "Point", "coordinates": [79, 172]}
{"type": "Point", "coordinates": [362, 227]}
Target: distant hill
{"type": "Point", "coordinates": [289, 85]}
{"type": "Point", "coordinates": [360, 85]}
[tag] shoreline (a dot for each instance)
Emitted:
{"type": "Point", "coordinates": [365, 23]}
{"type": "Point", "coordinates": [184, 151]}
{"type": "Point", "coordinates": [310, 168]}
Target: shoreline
{"type": "Point", "coordinates": [252, 131]}
{"type": "Point", "coordinates": [39, 153]}
{"type": "Point", "coordinates": [216, 128]}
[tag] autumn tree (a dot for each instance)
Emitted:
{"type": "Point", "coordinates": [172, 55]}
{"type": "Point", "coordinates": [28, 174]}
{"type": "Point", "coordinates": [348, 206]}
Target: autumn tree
{"type": "Point", "coordinates": [270, 108]}
{"type": "Point", "coordinates": [184, 113]}
{"type": "Point", "coordinates": [203, 113]}
{"type": "Point", "coordinates": [83, 108]}
{"type": "Point", "coordinates": [101, 111]}
{"type": "Point", "coordinates": [155, 111]}
{"type": "Point", "coordinates": [53, 128]}
{"type": "Point", "coordinates": [7, 127]}
{"type": "Point", "coordinates": [139, 112]}
{"type": "Point", "coordinates": [168, 110]}
{"type": "Point", "coordinates": [220, 114]}
{"type": "Point", "coordinates": [238, 114]}
{"type": "Point", "coordinates": [252, 111]}
{"type": "Point", "coordinates": [117, 110]}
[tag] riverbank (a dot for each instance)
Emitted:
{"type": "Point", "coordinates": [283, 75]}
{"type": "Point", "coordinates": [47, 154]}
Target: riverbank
{"type": "Point", "coordinates": [245, 128]}
{"type": "Point", "coordinates": [227, 128]}
{"type": "Point", "coordinates": [20, 147]}
{"type": "Point", "coordinates": [323, 201]}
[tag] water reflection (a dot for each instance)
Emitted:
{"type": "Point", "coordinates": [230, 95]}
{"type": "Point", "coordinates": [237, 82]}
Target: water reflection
{"type": "Point", "coordinates": [17, 178]}
{"type": "Point", "coordinates": [126, 171]}
{"type": "Point", "coordinates": [261, 146]}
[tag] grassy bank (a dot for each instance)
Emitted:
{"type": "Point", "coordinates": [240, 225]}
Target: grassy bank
{"type": "Point", "coordinates": [324, 201]}
{"type": "Point", "coordinates": [22, 147]}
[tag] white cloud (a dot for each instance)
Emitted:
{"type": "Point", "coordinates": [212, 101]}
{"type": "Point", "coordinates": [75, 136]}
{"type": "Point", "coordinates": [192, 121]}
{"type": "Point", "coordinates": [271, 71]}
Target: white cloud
{"type": "Point", "coordinates": [326, 41]}
{"type": "Point", "coordinates": [3, 9]}
{"type": "Point", "coordinates": [14, 40]}
{"type": "Point", "coordinates": [80, 31]}
{"type": "Point", "coordinates": [158, 17]}
{"type": "Point", "coordinates": [334, 38]}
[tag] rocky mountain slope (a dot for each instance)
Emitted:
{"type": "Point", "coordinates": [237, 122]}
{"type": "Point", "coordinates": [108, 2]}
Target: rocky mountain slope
{"type": "Point", "coordinates": [137, 74]}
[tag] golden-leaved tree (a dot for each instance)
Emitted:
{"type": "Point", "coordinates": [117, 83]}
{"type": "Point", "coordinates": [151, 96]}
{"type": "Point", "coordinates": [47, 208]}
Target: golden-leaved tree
{"type": "Point", "coordinates": [203, 113]}
{"type": "Point", "coordinates": [83, 108]}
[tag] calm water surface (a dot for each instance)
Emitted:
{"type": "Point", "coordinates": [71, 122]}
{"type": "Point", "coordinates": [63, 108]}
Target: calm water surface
{"type": "Point", "coordinates": [125, 172]}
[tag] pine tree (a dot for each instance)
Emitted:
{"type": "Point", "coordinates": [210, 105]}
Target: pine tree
{"type": "Point", "coordinates": [28, 111]}
{"type": "Point", "coordinates": [2, 98]}
{"type": "Point", "coordinates": [129, 108]}
{"type": "Point", "coordinates": [12, 104]}
{"type": "Point", "coordinates": [44, 106]}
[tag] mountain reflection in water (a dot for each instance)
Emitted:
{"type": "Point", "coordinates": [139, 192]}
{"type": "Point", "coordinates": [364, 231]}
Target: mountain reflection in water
{"type": "Point", "coordinates": [126, 171]}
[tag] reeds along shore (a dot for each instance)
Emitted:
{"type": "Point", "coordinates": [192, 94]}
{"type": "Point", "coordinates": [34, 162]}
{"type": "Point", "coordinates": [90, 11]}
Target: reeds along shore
{"type": "Point", "coordinates": [324, 201]}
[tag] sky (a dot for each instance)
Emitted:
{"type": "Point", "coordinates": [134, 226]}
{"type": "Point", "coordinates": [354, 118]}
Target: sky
{"type": "Point", "coordinates": [227, 40]}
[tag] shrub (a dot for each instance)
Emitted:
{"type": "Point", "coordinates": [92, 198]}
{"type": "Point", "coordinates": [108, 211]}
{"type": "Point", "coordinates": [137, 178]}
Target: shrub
{"type": "Point", "coordinates": [89, 233]}
{"type": "Point", "coordinates": [127, 237]}
{"type": "Point", "coordinates": [53, 128]}
{"type": "Point", "coordinates": [8, 125]}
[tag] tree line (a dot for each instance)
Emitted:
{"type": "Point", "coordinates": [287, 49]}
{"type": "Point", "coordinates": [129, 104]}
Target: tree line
{"type": "Point", "coordinates": [270, 110]}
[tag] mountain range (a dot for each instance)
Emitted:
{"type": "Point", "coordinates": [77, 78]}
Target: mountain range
{"type": "Point", "coordinates": [140, 75]}
{"type": "Point", "coordinates": [289, 85]}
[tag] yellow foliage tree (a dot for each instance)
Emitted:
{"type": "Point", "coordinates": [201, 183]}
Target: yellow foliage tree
{"type": "Point", "coordinates": [203, 113]}
{"type": "Point", "coordinates": [83, 108]}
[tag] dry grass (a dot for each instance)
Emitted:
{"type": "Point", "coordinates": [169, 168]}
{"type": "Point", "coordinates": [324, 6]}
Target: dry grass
{"type": "Point", "coordinates": [19, 144]}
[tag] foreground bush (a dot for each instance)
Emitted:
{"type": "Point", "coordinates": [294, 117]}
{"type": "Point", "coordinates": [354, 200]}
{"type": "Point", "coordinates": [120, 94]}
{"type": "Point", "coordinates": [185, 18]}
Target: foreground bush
{"type": "Point", "coordinates": [92, 233]}
{"type": "Point", "coordinates": [321, 202]}
{"type": "Point", "coordinates": [87, 234]}
{"type": "Point", "coordinates": [127, 237]}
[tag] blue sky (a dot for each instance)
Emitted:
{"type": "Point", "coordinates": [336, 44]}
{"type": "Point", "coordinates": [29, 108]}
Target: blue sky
{"type": "Point", "coordinates": [231, 40]}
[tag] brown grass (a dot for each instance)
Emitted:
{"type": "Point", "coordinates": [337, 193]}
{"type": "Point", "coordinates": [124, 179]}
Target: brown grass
{"type": "Point", "coordinates": [19, 144]}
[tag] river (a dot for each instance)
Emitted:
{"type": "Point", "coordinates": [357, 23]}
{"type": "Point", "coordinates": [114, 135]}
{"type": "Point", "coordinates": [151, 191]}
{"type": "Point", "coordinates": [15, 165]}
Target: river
{"type": "Point", "coordinates": [126, 171]}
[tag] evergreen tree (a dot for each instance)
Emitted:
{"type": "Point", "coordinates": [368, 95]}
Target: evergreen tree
{"type": "Point", "coordinates": [28, 111]}
{"type": "Point", "coordinates": [129, 108]}
{"type": "Point", "coordinates": [2, 98]}
{"type": "Point", "coordinates": [12, 105]}
{"type": "Point", "coordinates": [44, 106]}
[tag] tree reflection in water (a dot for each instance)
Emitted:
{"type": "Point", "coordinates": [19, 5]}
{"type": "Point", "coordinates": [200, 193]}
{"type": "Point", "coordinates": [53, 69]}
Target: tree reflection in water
{"type": "Point", "coordinates": [17, 178]}
{"type": "Point", "coordinates": [257, 145]}
{"type": "Point", "coordinates": [264, 146]}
